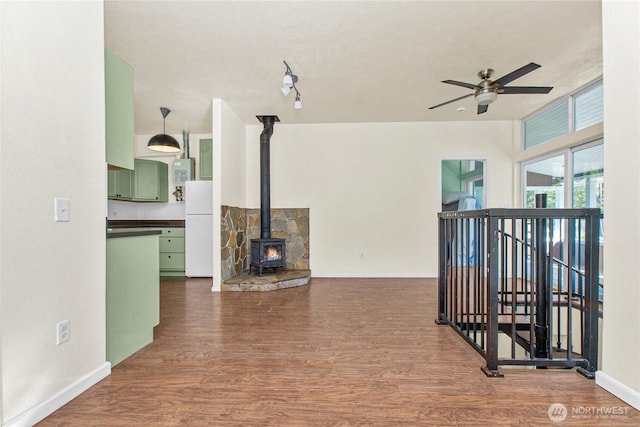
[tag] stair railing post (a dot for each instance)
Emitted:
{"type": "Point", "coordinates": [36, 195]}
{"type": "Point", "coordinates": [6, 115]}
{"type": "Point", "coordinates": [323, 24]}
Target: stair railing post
{"type": "Point", "coordinates": [591, 278]}
{"type": "Point", "coordinates": [491, 356]}
{"type": "Point", "coordinates": [443, 253]}
{"type": "Point", "coordinates": [542, 301]}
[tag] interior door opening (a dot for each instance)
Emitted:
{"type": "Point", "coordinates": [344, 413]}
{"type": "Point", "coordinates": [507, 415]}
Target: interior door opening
{"type": "Point", "coordinates": [463, 184]}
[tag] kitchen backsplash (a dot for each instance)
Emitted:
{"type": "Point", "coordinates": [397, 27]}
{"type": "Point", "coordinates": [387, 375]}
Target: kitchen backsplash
{"type": "Point", "coordinates": [131, 210]}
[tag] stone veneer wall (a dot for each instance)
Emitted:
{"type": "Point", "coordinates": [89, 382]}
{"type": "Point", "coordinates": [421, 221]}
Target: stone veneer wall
{"type": "Point", "coordinates": [234, 241]}
{"type": "Point", "coordinates": [240, 225]}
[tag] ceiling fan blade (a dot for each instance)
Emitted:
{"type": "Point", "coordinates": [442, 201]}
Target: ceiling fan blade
{"type": "Point", "coordinates": [482, 109]}
{"type": "Point", "coordinates": [510, 90]}
{"type": "Point", "coordinates": [457, 83]}
{"type": "Point", "coordinates": [450, 101]}
{"type": "Point", "coordinates": [516, 74]}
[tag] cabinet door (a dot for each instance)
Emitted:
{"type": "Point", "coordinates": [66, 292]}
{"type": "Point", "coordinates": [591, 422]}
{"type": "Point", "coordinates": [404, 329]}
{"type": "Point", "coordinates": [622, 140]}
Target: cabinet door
{"type": "Point", "coordinates": [206, 159]}
{"type": "Point", "coordinates": [146, 180]}
{"type": "Point", "coordinates": [119, 133]}
{"type": "Point", "coordinates": [112, 181]}
{"type": "Point", "coordinates": [163, 181]}
{"type": "Point", "coordinates": [120, 184]}
{"type": "Point", "coordinates": [151, 181]}
{"type": "Point", "coordinates": [124, 180]}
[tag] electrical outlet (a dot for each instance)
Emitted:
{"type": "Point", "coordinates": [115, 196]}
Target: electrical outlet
{"type": "Point", "coordinates": [63, 332]}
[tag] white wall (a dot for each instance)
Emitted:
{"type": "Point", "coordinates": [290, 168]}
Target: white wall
{"type": "Point", "coordinates": [233, 139]}
{"type": "Point", "coordinates": [53, 145]}
{"type": "Point", "coordinates": [621, 335]}
{"type": "Point", "coordinates": [374, 189]}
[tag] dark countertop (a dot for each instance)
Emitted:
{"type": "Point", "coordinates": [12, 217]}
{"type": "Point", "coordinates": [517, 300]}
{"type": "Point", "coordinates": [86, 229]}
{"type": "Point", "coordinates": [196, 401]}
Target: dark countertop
{"type": "Point", "coordinates": [141, 223]}
{"type": "Point", "coordinates": [132, 232]}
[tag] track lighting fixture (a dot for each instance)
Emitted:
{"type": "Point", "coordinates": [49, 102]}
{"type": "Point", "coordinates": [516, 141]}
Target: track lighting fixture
{"type": "Point", "coordinates": [289, 82]}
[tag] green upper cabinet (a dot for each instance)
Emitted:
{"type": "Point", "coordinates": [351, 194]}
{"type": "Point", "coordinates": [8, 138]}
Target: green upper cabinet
{"type": "Point", "coordinates": [151, 182]}
{"type": "Point", "coordinates": [118, 111]}
{"type": "Point", "coordinates": [206, 159]}
{"type": "Point", "coordinates": [148, 182]}
{"type": "Point", "coordinates": [120, 184]}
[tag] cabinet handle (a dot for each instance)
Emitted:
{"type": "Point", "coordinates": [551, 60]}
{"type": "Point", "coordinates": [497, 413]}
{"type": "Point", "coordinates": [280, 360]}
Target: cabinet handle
{"type": "Point", "coordinates": [169, 240]}
{"type": "Point", "coordinates": [169, 256]}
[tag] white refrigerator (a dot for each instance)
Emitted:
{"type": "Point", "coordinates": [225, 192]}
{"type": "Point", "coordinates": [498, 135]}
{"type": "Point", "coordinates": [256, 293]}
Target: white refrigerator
{"type": "Point", "coordinates": [198, 229]}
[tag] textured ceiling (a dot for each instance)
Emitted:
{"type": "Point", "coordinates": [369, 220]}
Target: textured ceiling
{"type": "Point", "coordinates": [372, 61]}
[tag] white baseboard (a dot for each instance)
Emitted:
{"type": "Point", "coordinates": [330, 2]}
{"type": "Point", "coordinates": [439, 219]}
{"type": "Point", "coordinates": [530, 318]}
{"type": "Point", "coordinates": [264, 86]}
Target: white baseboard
{"type": "Point", "coordinates": [57, 401]}
{"type": "Point", "coordinates": [621, 391]}
{"type": "Point", "coordinates": [376, 276]}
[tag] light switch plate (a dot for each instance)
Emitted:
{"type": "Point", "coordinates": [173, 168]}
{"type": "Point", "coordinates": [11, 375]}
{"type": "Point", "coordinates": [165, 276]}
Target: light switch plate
{"type": "Point", "coordinates": [62, 213]}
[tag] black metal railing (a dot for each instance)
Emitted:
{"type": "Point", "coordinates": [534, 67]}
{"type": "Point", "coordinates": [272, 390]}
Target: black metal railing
{"type": "Point", "coordinates": [522, 285]}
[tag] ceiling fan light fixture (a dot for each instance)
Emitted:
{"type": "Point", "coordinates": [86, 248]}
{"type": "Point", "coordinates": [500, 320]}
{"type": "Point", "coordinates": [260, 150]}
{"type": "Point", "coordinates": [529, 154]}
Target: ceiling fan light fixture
{"type": "Point", "coordinates": [285, 90]}
{"type": "Point", "coordinates": [298, 103]}
{"type": "Point", "coordinates": [486, 98]}
{"type": "Point", "coordinates": [162, 142]}
{"type": "Point", "coordinates": [487, 91]}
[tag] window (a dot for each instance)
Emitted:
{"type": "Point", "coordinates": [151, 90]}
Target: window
{"type": "Point", "coordinates": [546, 176]}
{"type": "Point", "coordinates": [546, 126]}
{"type": "Point", "coordinates": [587, 107]}
{"type": "Point", "coordinates": [581, 166]}
{"type": "Point", "coordinates": [588, 177]}
{"type": "Point", "coordinates": [577, 111]}
{"type": "Point", "coordinates": [582, 169]}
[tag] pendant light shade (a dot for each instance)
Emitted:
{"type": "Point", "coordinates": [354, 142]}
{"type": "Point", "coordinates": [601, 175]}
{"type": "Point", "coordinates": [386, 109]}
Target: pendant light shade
{"type": "Point", "coordinates": [163, 142]}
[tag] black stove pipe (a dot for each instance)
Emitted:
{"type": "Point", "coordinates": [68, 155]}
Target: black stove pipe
{"type": "Point", "coordinates": [265, 175]}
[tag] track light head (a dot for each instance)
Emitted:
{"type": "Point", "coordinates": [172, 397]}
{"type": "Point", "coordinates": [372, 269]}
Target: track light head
{"type": "Point", "coordinates": [288, 80]}
{"type": "Point", "coordinates": [288, 83]}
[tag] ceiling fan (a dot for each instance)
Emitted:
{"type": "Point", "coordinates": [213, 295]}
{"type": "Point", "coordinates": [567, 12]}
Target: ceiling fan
{"type": "Point", "coordinates": [487, 91]}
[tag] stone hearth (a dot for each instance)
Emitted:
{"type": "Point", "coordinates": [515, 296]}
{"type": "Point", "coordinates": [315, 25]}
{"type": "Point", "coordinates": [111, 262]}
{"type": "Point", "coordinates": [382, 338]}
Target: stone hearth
{"type": "Point", "coordinates": [269, 282]}
{"type": "Point", "coordinates": [240, 225]}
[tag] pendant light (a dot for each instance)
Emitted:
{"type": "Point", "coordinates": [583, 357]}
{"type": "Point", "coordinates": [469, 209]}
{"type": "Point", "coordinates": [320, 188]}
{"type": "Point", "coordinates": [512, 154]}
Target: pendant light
{"type": "Point", "coordinates": [163, 142]}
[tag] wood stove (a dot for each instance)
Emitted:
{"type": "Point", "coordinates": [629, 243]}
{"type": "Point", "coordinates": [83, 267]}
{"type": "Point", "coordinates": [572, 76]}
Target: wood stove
{"type": "Point", "coordinates": [265, 251]}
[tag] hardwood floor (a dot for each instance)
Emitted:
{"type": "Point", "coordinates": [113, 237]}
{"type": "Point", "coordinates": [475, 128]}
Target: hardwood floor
{"type": "Point", "coordinates": [338, 352]}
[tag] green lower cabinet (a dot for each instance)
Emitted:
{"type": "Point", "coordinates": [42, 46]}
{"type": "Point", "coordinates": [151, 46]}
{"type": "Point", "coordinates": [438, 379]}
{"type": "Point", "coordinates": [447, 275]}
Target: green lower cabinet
{"type": "Point", "coordinates": [172, 253]}
{"type": "Point", "coordinates": [133, 294]}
